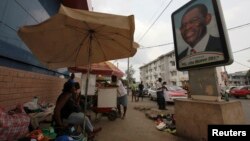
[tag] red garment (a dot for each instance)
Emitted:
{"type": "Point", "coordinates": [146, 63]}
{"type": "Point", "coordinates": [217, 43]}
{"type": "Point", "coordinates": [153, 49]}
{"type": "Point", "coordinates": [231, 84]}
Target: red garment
{"type": "Point", "coordinates": [13, 126]}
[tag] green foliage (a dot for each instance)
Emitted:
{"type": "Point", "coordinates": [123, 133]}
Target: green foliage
{"type": "Point", "coordinates": [130, 72]}
{"type": "Point", "coordinates": [248, 73]}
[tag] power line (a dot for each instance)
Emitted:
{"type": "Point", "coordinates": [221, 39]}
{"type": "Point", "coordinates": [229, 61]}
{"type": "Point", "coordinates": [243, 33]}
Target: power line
{"type": "Point", "coordinates": [242, 50]}
{"type": "Point", "coordinates": [232, 28]}
{"type": "Point", "coordinates": [241, 64]}
{"type": "Point", "coordinates": [240, 26]}
{"type": "Point", "coordinates": [156, 45]}
{"type": "Point", "coordinates": [155, 21]}
{"type": "Point", "coordinates": [154, 15]}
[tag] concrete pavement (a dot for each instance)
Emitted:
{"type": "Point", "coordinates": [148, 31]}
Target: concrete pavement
{"type": "Point", "coordinates": [135, 127]}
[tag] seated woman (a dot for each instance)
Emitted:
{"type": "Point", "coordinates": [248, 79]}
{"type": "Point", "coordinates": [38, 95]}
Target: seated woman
{"type": "Point", "coordinates": [68, 110]}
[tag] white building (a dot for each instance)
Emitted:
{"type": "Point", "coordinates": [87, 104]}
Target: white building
{"type": "Point", "coordinates": [239, 78]}
{"type": "Point", "coordinates": [165, 67]}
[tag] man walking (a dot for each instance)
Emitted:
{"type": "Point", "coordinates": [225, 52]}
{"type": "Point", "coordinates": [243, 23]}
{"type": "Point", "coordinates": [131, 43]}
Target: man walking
{"type": "Point", "coordinates": [140, 87]}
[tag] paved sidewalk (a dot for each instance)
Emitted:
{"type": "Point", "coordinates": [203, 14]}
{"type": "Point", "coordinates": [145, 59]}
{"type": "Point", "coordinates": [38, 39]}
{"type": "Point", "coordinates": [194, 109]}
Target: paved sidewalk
{"type": "Point", "coordinates": [135, 127]}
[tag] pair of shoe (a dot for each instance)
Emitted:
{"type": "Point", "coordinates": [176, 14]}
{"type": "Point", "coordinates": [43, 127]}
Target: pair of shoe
{"type": "Point", "coordinates": [161, 126]}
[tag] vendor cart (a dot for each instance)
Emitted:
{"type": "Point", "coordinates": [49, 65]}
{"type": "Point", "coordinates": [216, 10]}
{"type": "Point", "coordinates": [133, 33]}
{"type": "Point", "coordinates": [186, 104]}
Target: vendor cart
{"type": "Point", "coordinates": [103, 99]}
{"type": "Point", "coordinates": [106, 102]}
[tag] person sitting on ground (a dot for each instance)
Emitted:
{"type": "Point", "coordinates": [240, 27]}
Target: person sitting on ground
{"type": "Point", "coordinates": [68, 110]}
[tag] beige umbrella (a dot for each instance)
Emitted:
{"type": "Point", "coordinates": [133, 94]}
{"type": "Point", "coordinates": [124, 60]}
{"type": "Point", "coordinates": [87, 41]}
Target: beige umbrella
{"type": "Point", "coordinates": [69, 38]}
{"type": "Point", "coordinates": [74, 38]}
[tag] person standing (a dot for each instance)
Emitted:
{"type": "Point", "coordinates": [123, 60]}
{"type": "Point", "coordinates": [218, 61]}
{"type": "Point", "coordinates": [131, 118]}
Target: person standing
{"type": "Point", "coordinates": [140, 87]}
{"type": "Point", "coordinates": [122, 98]}
{"type": "Point", "coordinates": [72, 77]}
{"type": "Point", "coordinates": [133, 88]}
{"type": "Point", "coordinates": [159, 93]}
{"type": "Point", "coordinates": [165, 95]}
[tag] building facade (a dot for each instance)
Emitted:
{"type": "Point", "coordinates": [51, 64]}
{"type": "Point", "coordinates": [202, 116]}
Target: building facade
{"type": "Point", "coordinates": [164, 67]}
{"type": "Point", "coordinates": [239, 78]}
{"type": "Point", "coordinates": [22, 76]}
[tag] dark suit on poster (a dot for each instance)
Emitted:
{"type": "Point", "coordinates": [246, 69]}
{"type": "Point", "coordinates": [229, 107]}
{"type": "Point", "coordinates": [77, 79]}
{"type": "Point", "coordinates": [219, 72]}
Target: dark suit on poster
{"type": "Point", "coordinates": [213, 44]}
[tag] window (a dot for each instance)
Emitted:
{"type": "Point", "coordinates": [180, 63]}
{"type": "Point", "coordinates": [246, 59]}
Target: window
{"type": "Point", "coordinates": [173, 73]}
{"type": "Point", "coordinates": [185, 72]}
{"type": "Point", "coordinates": [172, 63]}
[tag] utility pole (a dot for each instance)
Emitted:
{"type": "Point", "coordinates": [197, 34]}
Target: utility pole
{"type": "Point", "coordinates": [128, 78]}
{"type": "Point", "coordinates": [225, 79]}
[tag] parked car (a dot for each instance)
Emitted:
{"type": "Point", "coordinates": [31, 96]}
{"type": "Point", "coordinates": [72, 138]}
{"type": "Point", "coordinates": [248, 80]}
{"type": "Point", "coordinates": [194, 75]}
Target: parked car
{"type": "Point", "coordinates": [242, 91]}
{"type": "Point", "coordinates": [229, 89]}
{"type": "Point", "coordinates": [145, 92]}
{"type": "Point", "coordinates": [152, 93]}
{"type": "Point", "coordinates": [226, 90]}
{"type": "Point", "coordinates": [174, 92]}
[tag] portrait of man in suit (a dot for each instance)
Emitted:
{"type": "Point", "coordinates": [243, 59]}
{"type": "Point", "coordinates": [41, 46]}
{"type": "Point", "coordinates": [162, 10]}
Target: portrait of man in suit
{"type": "Point", "coordinates": [193, 29]}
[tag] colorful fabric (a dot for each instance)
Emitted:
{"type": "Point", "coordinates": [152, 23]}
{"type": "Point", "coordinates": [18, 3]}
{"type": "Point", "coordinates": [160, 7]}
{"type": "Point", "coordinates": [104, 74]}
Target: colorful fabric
{"type": "Point", "coordinates": [13, 126]}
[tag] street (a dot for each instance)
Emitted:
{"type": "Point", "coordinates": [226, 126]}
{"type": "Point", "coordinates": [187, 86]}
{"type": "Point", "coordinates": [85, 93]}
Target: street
{"type": "Point", "coordinates": [245, 104]}
{"type": "Point", "coordinates": [136, 126]}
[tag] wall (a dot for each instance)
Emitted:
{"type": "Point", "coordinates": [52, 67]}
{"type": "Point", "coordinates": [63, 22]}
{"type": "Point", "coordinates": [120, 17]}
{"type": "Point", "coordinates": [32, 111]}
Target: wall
{"type": "Point", "coordinates": [18, 86]}
{"type": "Point", "coordinates": [22, 76]}
{"type": "Point", "coordinates": [13, 15]}
{"type": "Point", "coordinates": [193, 117]}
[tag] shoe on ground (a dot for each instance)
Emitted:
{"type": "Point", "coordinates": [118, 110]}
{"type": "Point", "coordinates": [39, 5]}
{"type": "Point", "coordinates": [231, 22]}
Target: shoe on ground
{"type": "Point", "coordinates": [161, 126]}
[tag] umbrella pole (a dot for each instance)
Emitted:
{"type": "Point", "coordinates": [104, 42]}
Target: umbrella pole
{"type": "Point", "coordinates": [87, 81]}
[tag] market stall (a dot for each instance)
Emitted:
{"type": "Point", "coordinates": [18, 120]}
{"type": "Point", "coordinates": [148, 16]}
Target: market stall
{"type": "Point", "coordinates": [103, 96]}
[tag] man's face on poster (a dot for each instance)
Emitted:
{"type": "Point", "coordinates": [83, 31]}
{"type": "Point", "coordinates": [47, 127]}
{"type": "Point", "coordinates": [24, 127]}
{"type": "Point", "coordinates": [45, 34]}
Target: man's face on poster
{"type": "Point", "coordinates": [193, 26]}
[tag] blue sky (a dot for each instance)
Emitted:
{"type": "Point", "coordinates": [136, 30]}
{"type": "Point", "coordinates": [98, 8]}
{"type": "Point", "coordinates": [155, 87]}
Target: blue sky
{"type": "Point", "coordinates": [236, 13]}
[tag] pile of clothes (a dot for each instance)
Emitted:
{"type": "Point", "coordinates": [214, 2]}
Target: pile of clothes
{"type": "Point", "coordinates": [14, 123]}
{"type": "Point", "coordinates": [164, 120]}
{"type": "Point", "coordinates": [166, 123]}
{"type": "Point", "coordinates": [142, 108]}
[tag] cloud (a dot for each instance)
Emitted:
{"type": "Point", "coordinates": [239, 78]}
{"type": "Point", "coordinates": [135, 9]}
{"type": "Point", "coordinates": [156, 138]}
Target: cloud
{"type": "Point", "coordinates": [146, 11]}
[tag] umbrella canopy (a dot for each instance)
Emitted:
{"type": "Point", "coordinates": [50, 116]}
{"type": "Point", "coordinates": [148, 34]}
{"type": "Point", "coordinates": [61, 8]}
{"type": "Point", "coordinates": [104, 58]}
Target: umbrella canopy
{"type": "Point", "coordinates": [77, 37]}
{"type": "Point", "coordinates": [103, 68]}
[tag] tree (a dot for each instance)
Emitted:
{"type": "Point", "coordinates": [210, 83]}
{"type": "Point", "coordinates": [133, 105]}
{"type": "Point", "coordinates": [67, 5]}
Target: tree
{"type": "Point", "coordinates": [130, 72]}
{"type": "Point", "coordinates": [248, 73]}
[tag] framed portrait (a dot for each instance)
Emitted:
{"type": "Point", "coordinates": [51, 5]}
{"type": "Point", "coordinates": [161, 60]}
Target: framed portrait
{"type": "Point", "coordinates": [200, 35]}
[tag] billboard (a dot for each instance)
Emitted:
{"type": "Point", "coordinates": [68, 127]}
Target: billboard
{"type": "Point", "coordinates": [200, 35]}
